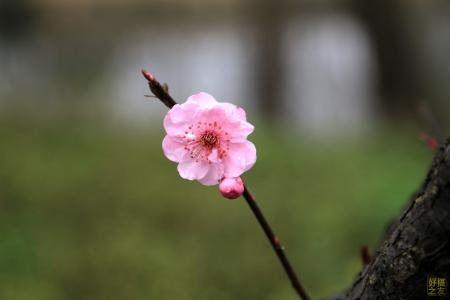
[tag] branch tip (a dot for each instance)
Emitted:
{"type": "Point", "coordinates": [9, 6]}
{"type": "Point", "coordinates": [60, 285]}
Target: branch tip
{"type": "Point", "coordinates": [160, 92]}
{"type": "Point", "coordinates": [149, 76]}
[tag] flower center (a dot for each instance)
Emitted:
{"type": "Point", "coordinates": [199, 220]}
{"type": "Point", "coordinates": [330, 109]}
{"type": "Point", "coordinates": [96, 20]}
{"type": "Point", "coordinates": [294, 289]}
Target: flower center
{"type": "Point", "coordinates": [209, 139]}
{"type": "Point", "coordinates": [206, 137]}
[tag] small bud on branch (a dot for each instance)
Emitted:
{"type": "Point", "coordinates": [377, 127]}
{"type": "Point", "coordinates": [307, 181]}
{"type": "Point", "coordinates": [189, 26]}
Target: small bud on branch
{"type": "Point", "coordinates": [231, 188]}
{"type": "Point", "coordinates": [430, 141]}
{"type": "Point", "coordinates": [158, 90]}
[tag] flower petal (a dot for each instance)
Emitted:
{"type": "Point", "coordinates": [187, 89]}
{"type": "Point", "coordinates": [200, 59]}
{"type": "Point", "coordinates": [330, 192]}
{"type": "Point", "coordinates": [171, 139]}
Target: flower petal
{"type": "Point", "coordinates": [214, 156]}
{"type": "Point", "coordinates": [241, 131]}
{"type": "Point", "coordinates": [241, 157]}
{"type": "Point", "coordinates": [240, 113]}
{"type": "Point", "coordinates": [234, 112]}
{"type": "Point", "coordinates": [204, 100]}
{"type": "Point", "coordinates": [179, 117]}
{"type": "Point", "coordinates": [173, 148]}
{"type": "Point", "coordinates": [173, 121]}
{"type": "Point", "coordinates": [193, 170]}
{"type": "Point", "coordinates": [214, 175]}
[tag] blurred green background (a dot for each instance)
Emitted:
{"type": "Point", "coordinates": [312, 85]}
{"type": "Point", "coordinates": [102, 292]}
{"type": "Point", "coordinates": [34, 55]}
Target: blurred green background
{"type": "Point", "coordinates": [91, 209]}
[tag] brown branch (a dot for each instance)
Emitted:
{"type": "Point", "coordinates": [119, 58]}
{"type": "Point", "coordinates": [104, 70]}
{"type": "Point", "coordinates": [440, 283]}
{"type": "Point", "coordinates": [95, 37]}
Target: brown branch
{"type": "Point", "coordinates": [158, 90]}
{"type": "Point", "coordinates": [162, 94]}
{"type": "Point", "coordinates": [418, 244]}
{"type": "Point", "coordinates": [276, 245]}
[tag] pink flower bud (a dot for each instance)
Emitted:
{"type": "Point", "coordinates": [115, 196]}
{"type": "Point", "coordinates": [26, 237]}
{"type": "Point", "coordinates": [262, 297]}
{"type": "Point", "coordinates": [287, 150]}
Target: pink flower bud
{"type": "Point", "coordinates": [431, 142]}
{"type": "Point", "coordinates": [231, 188]}
{"type": "Point", "coordinates": [149, 76]}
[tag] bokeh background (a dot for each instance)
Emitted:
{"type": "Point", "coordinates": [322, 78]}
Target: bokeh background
{"type": "Point", "coordinates": [90, 208]}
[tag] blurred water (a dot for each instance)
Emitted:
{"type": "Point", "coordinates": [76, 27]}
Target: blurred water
{"type": "Point", "coordinates": [330, 74]}
{"type": "Point", "coordinates": [26, 66]}
{"type": "Point", "coordinates": [217, 59]}
{"type": "Point", "coordinates": [329, 68]}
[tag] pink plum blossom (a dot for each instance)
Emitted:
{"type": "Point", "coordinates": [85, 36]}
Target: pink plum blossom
{"type": "Point", "coordinates": [208, 139]}
{"type": "Point", "coordinates": [231, 188]}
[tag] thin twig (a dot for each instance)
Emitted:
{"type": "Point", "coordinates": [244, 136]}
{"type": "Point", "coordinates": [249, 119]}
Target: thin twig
{"type": "Point", "coordinates": [365, 255]}
{"type": "Point", "coordinates": [431, 120]}
{"type": "Point", "coordinates": [158, 90]}
{"type": "Point", "coordinates": [162, 94]}
{"type": "Point", "coordinates": [276, 244]}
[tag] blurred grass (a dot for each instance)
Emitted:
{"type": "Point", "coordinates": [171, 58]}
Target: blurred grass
{"type": "Point", "coordinates": [94, 211]}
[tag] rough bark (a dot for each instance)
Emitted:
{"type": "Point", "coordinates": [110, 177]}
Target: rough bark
{"type": "Point", "coordinates": [417, 245]}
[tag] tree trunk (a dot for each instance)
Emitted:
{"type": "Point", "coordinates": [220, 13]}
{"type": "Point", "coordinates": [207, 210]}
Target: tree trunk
{"type": "Point", "coordinates": [417, 246]}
